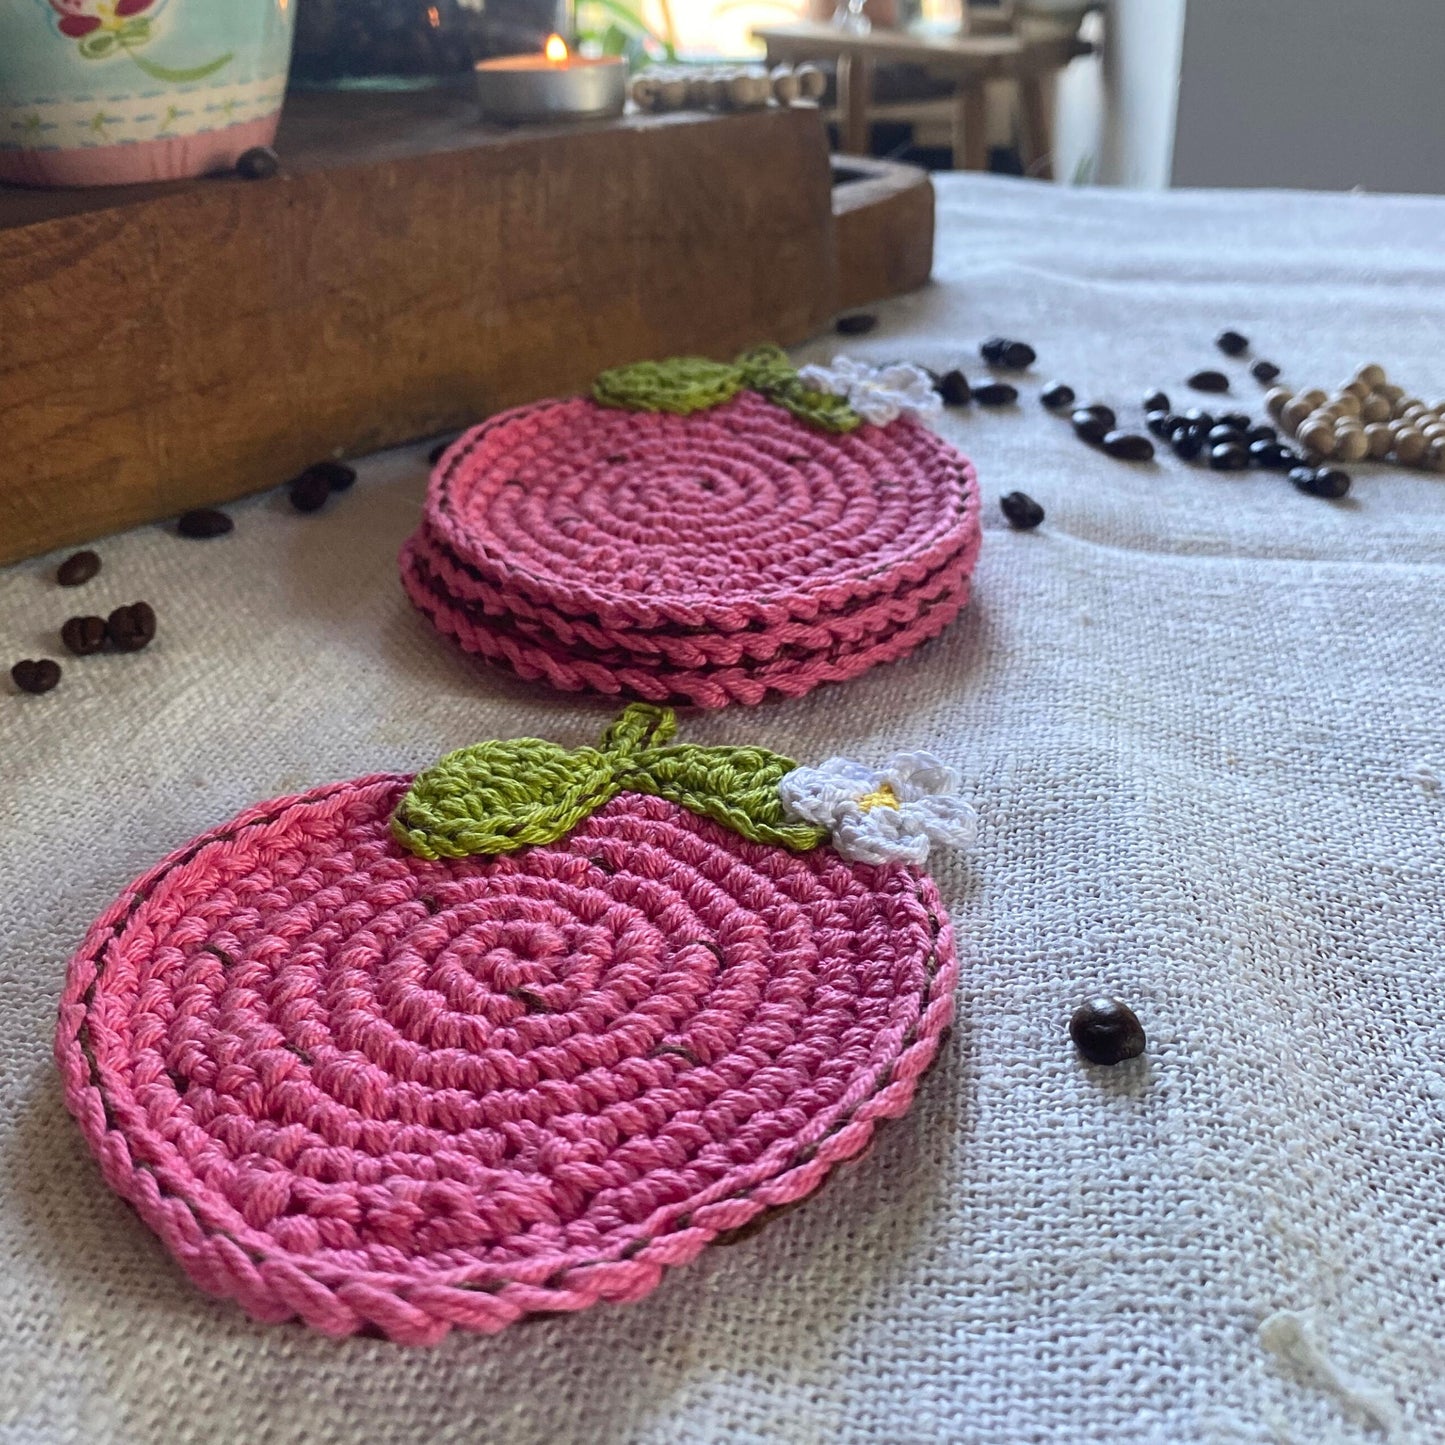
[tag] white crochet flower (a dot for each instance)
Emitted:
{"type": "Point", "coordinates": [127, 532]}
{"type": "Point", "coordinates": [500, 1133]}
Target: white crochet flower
{"type": "Point", "coordinates": [882, 815]}
{"type": "Point", "coordinates": [877, 393]}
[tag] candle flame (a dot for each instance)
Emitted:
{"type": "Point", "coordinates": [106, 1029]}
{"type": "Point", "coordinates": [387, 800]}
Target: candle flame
{"type": "Point", "coordinates": [555, 49]}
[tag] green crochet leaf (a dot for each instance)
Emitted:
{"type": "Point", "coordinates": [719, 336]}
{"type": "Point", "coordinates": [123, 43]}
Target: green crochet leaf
{"type": "Point", "coordinates": [691, 383]}
{"type": "Point", "coordinates": [496, 797]}
{"type": "Point", "coordinates": [682, 385]}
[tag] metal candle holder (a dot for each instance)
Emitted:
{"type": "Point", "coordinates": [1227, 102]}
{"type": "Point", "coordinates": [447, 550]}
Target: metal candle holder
{"type": "Point", "coordinates": [515, 88]}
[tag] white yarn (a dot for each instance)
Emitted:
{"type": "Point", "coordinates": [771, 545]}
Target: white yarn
{"type": "Point", "coordinates": [878, 394]}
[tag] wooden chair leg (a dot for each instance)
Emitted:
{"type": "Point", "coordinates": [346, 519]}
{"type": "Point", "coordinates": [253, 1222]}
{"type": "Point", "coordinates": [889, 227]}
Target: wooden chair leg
{"type": "Point", "coordinates": [970, 128]}
{"type": "Point", "coordinates": [855, 82]}
{"type": "Point", "coordinates": [1036, 142]}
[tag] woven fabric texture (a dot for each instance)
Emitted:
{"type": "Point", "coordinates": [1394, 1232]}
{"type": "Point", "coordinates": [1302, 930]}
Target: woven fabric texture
{"type": "Point", "coordinates": [706, 558]}
{"type": "Point", "coordinates": [1203, 722]}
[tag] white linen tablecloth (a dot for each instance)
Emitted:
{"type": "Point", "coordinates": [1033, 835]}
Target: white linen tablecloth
{"type": "Point", "coordinates": [1203, 720]}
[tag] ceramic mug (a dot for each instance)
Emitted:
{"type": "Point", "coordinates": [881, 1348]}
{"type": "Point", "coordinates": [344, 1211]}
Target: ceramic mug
{"type": "Point", "coordinates": [105, 92]}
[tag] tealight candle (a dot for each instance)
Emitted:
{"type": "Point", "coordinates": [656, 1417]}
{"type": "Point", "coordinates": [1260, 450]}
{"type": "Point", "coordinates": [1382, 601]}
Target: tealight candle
{"type": "Point", "coordinates": [554, 85]}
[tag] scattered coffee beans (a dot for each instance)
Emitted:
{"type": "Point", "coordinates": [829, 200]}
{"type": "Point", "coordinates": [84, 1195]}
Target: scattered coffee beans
{"type": "Point", "coordinates": [339, 476]}
{"type": "Point", "coordinates": [996, 393]}
{"type": "Point", "coordinates": [1056, 396]}
{"type": "Point", "coordinates": [858, 323]}
{"type": "Point", "coordinates": [1022, 511]}
{"type": "Point", "coordinates": [1327, 482]}
{"type": "Point", "coordinates": [1008, 355]}
{"type": "Point", "coordinates": [84, 635]}
{"type": "Point", "coordinates": [1270, 455]}
{"type": "Point", "coordinates": [35, 674]}
{"type": "Point", "coordinates": [1107, 1031]}
{"type": "Point", "coordinates": [1228, 457]}
{"type": "Point", "coordinates": [1161, 424]}
{"type": "Point", "coordinates": [1128, 447]}
{"type": "Point", "coordinates": [1264, 372]}
{"type": "Point", "coordinates": [259, 163]}
{"type": "Point", "coordinates": [204, 522]}
{"type": "Point", "coordinates": [953, 387]}
{"type": "Point", "coordinates": [1090, 428]}
{"type": "Point", "coordinates": [76, 569]}
{"type": "Point", "coordinates": [1209, 381]}
{"type": "Point", "coordinates": [1225, 436]}
{"type": "Point", "coordinates": [1156, 401]}
{"type": "Point", "coordinates": [309, 491]}
{"type": "Point", "coordinates": [132, 628]}
{"type": "Point", "coordinates": [1239, 420]}
{"type": "Point", "coordinates": [1104, 413]}
{"type": "Point", "coordinates": [1188, 444]}
{"type": "Point", "coordinates": [1231, 343]}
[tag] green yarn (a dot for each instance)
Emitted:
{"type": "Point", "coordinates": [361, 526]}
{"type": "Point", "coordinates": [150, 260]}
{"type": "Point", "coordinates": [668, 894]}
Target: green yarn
{"type": "Point", "coordinates": [686, 384]}
{"type": "Point", "coordinates": [496, 797]}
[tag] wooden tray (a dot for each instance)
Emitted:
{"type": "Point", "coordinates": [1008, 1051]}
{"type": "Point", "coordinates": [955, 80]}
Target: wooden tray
{"type": "Point", "coordinates": [410, 271]}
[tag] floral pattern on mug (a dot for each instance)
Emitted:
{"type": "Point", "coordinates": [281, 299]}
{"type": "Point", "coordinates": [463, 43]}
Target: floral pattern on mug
{"type": "Point", "coordinates": [106, 28]}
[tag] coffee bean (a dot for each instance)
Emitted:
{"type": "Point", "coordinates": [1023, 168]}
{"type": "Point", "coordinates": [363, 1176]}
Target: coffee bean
{"type": "Point", "coordinates": [259, 163]}
{"type": "Point", "coordinates": [1056, 396]}
{"type": "Point", "coordinates": [1225, 436]}
{"type": "Point", "coordinates": [1209, 381]}
{"type": "Point", "coordinates": [1090, 428]}
{"type": "Point", "coordinates": [1231, 343]}
{"type": "Point", "coordinates": [1022, 511]}
{"type": "Point", "coordinates": [1261, 434]}
{"type": "Point", "coordinates": [1156, 401]}
{"type": "Point", "coordinates": [996, 393]}
{"type": "Point", "coordinates": [993, 349]}
{"type": "Point", "coordinates": [1327, 482]}
{"type": "Point", "coordinates": [858, 323]}
{"type": "Point", "coordinates": [1187, 444]}
{"type": "Point", "coordinates": [204, 522]}
{"type": "Point", "coordinates": [1228, 458]}
{"type": "Point", "coordinates": [1161, 424]}
{"type": "Point", "coordinates": [1264, 372]}
{"type": "Point", "coordinates": [309, 490]}
{"type": "Point", "coordinates": [1104, 413]}
{"type": "Point", "coordinates": [1107, 1031]}
{"type": "Point", "coordinates": [339, 476]}
{"type": "Point", "coordinates": [84, 635]}
{"type": "Point", "coordinates": [1240, 421]}
{"type": "Point", "coordinates": [1270, 455]}
{"type": "Point", "coordinates": [1126, 446]}
{"type": "Point", "coordinates": [132, 628]}
{"type": "Point", "coordinates": [76, 569]}
{"type": "Point", "coordinates": [1018, 356]}
{"type": "Point", "coordinates": [35, 675]}
{"type": "Point", "coordinates": [953, 387]}
{"type": "Point", "coordinates": [1199, 417]}
{"type": "Point", "coordinates": [436, 453]}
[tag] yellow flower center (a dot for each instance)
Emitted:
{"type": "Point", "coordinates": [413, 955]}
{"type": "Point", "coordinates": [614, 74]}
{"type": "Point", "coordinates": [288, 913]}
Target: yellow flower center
{"type": "Point", "coordinates": [881, 797]}
{"type": "Point", "coordinates": [105, 13]}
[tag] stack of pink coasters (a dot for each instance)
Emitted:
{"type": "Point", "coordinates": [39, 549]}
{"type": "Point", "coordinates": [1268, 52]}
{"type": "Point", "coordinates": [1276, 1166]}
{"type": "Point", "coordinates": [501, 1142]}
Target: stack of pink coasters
{"type": "Point", "coordinates": [720, 556]}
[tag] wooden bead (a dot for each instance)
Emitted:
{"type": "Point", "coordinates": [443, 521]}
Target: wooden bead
{"type": "Point", "coordinates": [1275, 399]}
{"type": "Point", "coordinates": [1376, 408]}
{"type": "Point", "coordinates": [1319, 436]}
{"type": "Point", "coordinates": [1293, 414]}
{"type": "Point", "coordinates": [1405, 403]}
{"type": "Point", "coordinates": [811, 81]}
{"type": "Point", "coordinates": [749, 92]}
{"type": "Point", "coordinates": [1434, 432]}
{"type": "Point", "coordinates": [1347, 403]}
{"type": "Point", "coordinates": [671, 94]}
{"type": "Point", "coordinates": [1390, 391]}
{"type": "Point", "coordinates": [1410, 446]}
{"type": "Point", "coordinates": [1380, 439]}
{"type": "Point", "coordinates": [1372, 375]}
{"type": "Point", "coordinates": [1435, 457]}
{"type": "Point", "coordinates": [644, 89]}
{"type": "Point", "coordinates": [1314, 396]}
{"type": "Point", "coordinates": [1357, 389]}
{"type": "Point", "coordinates": [786, 86]}
{"type": "Point", "coordinates": [1351, 444]}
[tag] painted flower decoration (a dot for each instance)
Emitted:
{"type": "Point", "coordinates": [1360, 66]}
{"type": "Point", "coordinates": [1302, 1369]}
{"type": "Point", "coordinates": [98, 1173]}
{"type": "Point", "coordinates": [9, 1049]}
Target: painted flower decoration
{"type": "Point", "coordinates": [884, 815]}
{"type": "Point", "coordinates": [878, 394]}
{"type": "Point", "coordinates": [79, 18]}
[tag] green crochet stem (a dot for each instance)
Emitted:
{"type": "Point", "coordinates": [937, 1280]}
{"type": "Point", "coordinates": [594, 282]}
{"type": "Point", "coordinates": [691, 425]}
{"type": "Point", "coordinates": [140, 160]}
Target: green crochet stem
{"type": "Point", "coordinates": [687, 384]}
{"type": "Point", "coordinates": [500, 796]}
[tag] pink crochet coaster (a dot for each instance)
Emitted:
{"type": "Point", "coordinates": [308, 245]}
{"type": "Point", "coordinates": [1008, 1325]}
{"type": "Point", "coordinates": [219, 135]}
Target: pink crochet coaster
{"type": "Point", "coordinates": [716, 555]}
{"type": "Point", "coordinates": [402, 1055]}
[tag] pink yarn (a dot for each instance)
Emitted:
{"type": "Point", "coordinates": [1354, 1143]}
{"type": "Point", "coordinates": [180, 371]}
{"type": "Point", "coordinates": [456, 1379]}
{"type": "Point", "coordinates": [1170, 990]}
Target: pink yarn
{"type": "Point", "coordinates": [350, 1086]}
{"type": "Point", "coordinates": [702, 559]}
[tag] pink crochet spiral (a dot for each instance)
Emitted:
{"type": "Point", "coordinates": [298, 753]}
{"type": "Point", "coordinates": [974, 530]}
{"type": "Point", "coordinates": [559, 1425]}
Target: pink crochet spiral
{"type": "Point", "coordinates": [377, 1093]}
{"type": "Point", "coordinates": [706, 559]}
